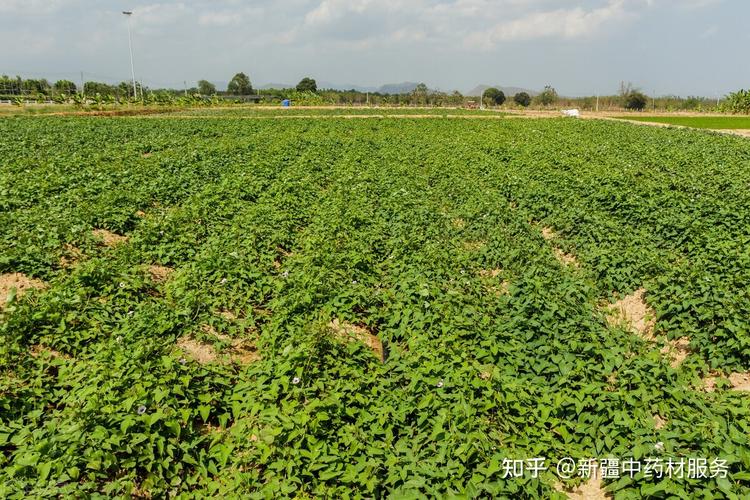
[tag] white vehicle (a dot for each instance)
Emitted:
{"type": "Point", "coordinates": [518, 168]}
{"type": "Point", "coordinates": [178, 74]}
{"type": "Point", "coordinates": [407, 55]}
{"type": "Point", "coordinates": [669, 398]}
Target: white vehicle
{"type": "Point", "coordinates": [571, 112]}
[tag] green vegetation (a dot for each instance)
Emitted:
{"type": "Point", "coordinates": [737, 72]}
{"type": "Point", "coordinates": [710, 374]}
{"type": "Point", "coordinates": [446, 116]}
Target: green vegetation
{"type": "Point", "coordinates": [307, 85]}
{"type": "Point", "coordinates": [240, 85]}
{"type": "Point", "coordinates": [635, 101]}
{"type": "Point", "coordinates": [206, 88]}
{"type": "Point", "coordinates": [548, 96]}
{"type": "Point", "coordinates": [710, 122]}
{"type": "Point", "coordinates": [276, 112]}
{"type": "Point", "coordinates": [522, 99]}
{"type": "Point", "coordinates": [494, 96]}
{"type": "Point", "coordinates": [426, 233]}
{"type": "Point", "coordinates": [737, 102]}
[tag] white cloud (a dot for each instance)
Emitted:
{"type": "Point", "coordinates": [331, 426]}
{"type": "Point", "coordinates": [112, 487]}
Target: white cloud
{"type": "Point", "coordinates": [559, 23]}
{"type": "Point", "coordinates": [218, 18]}
{"type": "Point", "coordinates": [33, 7]}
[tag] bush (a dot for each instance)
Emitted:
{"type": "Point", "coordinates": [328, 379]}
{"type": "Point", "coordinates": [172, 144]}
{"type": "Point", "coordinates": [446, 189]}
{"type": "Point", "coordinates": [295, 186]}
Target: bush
{"type": "Point", "coordinates": [635, 101]}
{"type": "Point", "coordinates": [522, 99]}
{"type": "Point", "coordinates": [548, 96]}
{"type": "Point", "coordinates": [495, 96]}
{"type": "Point", "coordinates": [737, 102]}
{"type": "Point", "coordinates": [307, 85]}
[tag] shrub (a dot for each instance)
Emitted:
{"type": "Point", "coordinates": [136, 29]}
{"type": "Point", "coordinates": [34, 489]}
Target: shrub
{"type": "Point", "coordinates": [495, 96]}
{"type": "Point", "coordinates": [548, 96]}
{"type": "Point", "coordinates": [522, 99]}
{"type": "Point", "coordinates": [737, 102]}
{"type": "Point", "coordinates": [635, 100]}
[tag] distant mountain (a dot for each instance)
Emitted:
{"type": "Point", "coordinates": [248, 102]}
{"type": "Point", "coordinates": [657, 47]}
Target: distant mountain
{"type": "Point", "coordinates": [508, 91]}
{"type": "Point", "coordinates": [397, 88]}
{"type": "Point", "coordinates": [277, 86]}
{"type": "Point", "coordinates": [388, 88]}
{"type": "Point", "coordinates": [345, 86]}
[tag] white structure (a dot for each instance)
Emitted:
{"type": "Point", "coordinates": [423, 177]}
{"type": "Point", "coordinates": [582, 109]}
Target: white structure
{"type": "Point", "coordinates": [130, 46]}
{"type": "Point", "coordinates": [571, 112]}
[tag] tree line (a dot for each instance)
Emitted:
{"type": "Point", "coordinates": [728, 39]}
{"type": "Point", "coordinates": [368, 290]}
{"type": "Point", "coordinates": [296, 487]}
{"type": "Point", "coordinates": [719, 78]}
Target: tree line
{"type": "Point", "coordinates": [307, 92]}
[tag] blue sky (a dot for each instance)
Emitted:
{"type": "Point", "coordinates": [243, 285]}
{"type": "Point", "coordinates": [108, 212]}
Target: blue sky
{"type": "Point", "coordinates": [683, 47]}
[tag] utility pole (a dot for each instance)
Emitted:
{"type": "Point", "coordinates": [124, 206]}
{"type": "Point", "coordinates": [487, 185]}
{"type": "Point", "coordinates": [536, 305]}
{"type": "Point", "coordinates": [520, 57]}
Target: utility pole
{"type": "Point", "coordinates": [82, 83]}
{"type": "Point", "coordinates": [597, 102]}
{"type": "Point", "coordinates": [129, 13]}
{"type": "Point", "coordinates": [184, 82]}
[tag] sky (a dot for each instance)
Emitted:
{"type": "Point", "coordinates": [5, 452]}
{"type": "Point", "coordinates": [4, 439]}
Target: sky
{"type": "Point", "coordinates": [664, 47]}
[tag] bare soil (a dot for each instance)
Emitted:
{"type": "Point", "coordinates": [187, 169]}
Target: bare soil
{"type": "Point", "coordinates": [20, 282]}
{"type": "Point", "coordinates": [473, 246]}
{"type": "Point", "coordinates": [227, 315]}
{"type": "Point", "coordinates": [348, 332]}
{"type": "Point", "coordinates": [677, 350]}
{"type": "Point", "coordinates": [566, 259]}
{"type": "Point", "coordinates": [640, 319]}
{"type": "Point", "coordinates": [490, 273]}
{"type": "Point", "coordinates": [659, 422]}
{"type": "Point", "coordinates": [71, 256]}
{"type": "Point", "coordinates": [638, 316]}
{"type": "Point", "coordinates": [108, 238]}
{"type": "Point", "coordinates": [593, 489]}
{"type": "Point", "coordinates": [160, 274]}
{"type": "Point", "coordinates": [739, 381]}
{"type": "Point", "coordinates": [241, 351]}
{"type": "Point", "coordinates": [40, 350]}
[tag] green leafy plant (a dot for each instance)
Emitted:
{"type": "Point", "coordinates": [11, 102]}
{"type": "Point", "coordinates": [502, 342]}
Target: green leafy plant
{"type": "Point", "coordinates": [365, 308]}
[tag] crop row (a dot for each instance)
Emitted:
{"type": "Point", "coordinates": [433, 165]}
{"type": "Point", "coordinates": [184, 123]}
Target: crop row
{"type": "Point", "coordinates": [282, 238]}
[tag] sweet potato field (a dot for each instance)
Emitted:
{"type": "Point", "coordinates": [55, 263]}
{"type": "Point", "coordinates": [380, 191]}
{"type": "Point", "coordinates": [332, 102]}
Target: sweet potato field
{"type": "Point", "coordinates": [369, 308]}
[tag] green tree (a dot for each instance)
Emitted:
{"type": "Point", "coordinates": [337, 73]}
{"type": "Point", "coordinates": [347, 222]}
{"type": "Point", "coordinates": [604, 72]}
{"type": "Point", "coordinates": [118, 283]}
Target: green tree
{"type": "Point", "coordinates": [65, 87]}
{"type": "Point", "coordinates": [93, 88]}
{"type": "Point", "coordinates": [737, 102]}
{"type": "Point", "coordinates": [240, 85]}
{"type": "Point", "coordinates": [548, 96]}
{"type": "Point", "coordinates": [32, 86]}
{"type": "Point", "coordinates": [10, 86]}
{"type": "Point", "coordinates": [522, 99]}
{"type": "Point", "coordinates": [206, 88]}
{"type": "Point", "coordinates": [307, 84]}
{"type": "Point", "coordinates": [496, 96]}
{"type": "Point", "coordinates": [419, 94]}
{"type": "Point", "coordinates": [635, 100]}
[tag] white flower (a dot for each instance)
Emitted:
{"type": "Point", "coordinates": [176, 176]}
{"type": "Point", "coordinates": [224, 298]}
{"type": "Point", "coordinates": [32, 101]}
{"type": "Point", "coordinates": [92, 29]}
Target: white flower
{"type": "Point", "coordinates": [440, 384]}
{"type": "Point", "coordinates": [121, 285]}
{"type": "Point", "coordinates": [223, 281]}
{"type": "Point", "coordinates": [183, 361]}
{"type": "Point", "coordinates": [659, 446]}
{"type": "Point", "coordinates": [295, 380]}
{"type": "Point", "coordinates": [285, 274]}
{"type": "Point", "coordinates": [118, 339]}
{"type": "Point", "coordinates": [141, 410]}
{"type": "Point", "coordinates": [130, 313]}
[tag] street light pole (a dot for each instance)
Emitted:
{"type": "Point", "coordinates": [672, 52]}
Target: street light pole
{"type": "Point", "coordinates": [130, 47]}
